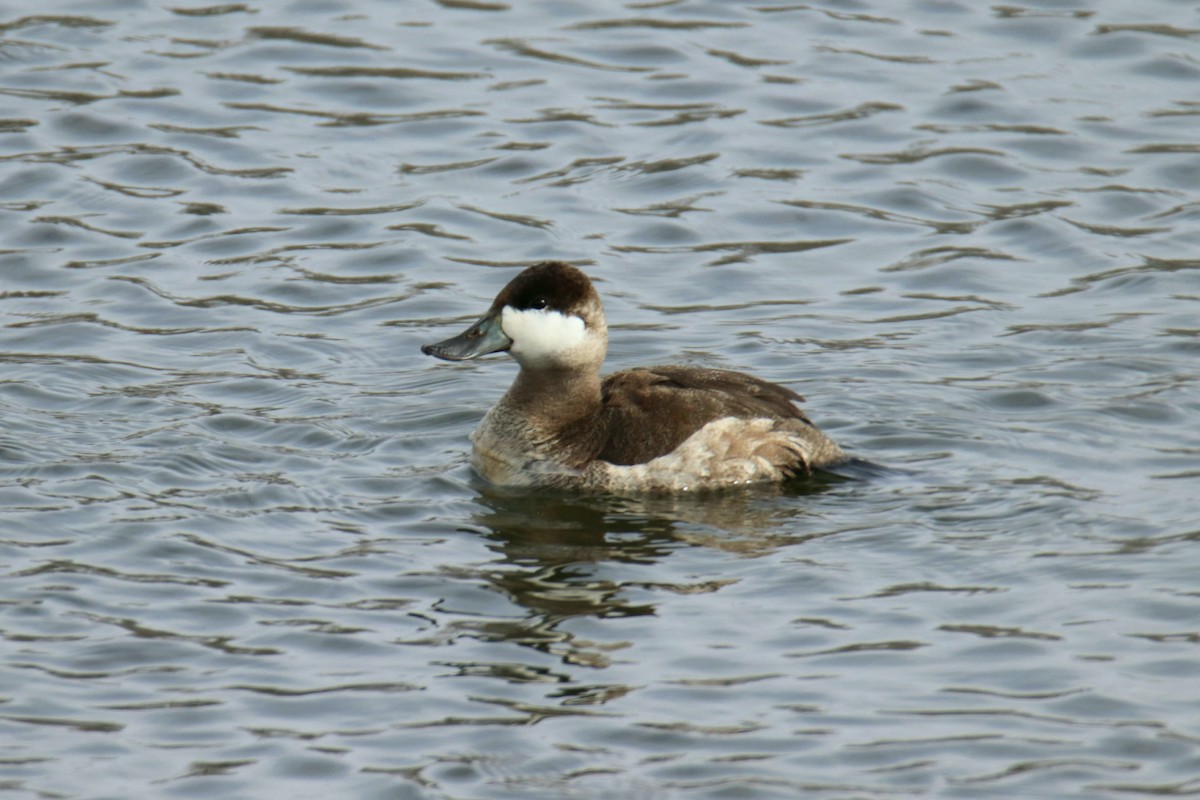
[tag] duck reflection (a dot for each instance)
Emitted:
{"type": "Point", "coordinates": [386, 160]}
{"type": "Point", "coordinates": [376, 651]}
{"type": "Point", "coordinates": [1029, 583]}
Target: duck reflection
{"type": "Point", "coordinates": [567, 556]}
{"type": "Point", "coordinates": [555, 544]}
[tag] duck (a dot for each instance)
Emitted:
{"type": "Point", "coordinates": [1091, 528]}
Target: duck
{"type": "Point", "coordinates": [648, 429]}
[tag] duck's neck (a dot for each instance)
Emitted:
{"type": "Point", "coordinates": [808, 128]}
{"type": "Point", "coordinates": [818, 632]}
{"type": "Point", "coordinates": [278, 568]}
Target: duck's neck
{"type": "Point", "coordinates": [555, 398]}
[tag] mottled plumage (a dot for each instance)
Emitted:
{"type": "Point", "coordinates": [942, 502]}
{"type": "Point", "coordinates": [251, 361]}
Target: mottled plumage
{"type": "Point", "coordinates": [650, 411]}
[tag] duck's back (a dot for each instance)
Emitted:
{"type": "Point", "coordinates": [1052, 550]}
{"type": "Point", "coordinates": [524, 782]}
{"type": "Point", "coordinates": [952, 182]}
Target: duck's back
{"type": "Point", "coordinates": [651, 412]}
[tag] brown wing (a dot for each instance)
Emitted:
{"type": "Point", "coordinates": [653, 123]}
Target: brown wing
{"type": "Point", "coordinates": [648, 412]}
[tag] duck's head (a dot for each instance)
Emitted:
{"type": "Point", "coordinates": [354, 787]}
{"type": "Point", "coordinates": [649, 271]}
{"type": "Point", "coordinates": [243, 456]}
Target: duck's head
{"type": "Point", "coordinates": [548, 317]}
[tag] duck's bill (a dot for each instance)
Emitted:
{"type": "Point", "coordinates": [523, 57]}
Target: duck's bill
{"type": "Point", "coordinates": [485, 336]}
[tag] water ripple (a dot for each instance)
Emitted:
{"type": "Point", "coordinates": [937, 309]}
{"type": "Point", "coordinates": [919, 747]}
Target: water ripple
{"type": "Point", "coordinates": [523, 48]}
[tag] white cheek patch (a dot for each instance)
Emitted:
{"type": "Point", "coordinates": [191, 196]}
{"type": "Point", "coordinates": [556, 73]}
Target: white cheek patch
{"type": "Point", "coordinates": [539, 334]}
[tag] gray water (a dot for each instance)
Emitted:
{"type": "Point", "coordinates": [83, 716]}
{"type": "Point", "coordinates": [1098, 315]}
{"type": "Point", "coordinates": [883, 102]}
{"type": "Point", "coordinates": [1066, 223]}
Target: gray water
{"type": "Point", "coordinates": [243, 556]}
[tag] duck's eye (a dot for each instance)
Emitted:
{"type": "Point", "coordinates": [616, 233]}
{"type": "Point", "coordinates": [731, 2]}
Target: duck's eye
{"type": "Point", "coordinates": [539, 303]}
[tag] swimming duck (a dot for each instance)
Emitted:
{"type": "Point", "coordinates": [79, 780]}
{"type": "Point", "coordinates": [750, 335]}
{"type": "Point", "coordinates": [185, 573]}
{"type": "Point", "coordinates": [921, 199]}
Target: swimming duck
{"type": "Point", "coordinates": [673, 428]}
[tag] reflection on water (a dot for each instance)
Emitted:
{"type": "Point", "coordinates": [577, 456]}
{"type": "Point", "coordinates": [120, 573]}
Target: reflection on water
{"type": "Point", "coordinates": [556, 546]}
{"type": "Point", "coordinates": [549, 529]}
{"type": "Point", "coordinates": [241, 547]}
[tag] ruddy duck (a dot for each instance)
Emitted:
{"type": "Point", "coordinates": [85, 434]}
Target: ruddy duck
{"type": "Point", "coordinates": [647, 429]}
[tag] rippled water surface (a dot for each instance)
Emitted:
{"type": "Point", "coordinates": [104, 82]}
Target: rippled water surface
{"type": "Point", "coordinates": [243, 554]}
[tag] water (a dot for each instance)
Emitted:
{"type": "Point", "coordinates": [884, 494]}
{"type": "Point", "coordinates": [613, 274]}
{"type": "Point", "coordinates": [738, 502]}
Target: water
{"type": "Point", "coordinates": [242, 553]}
